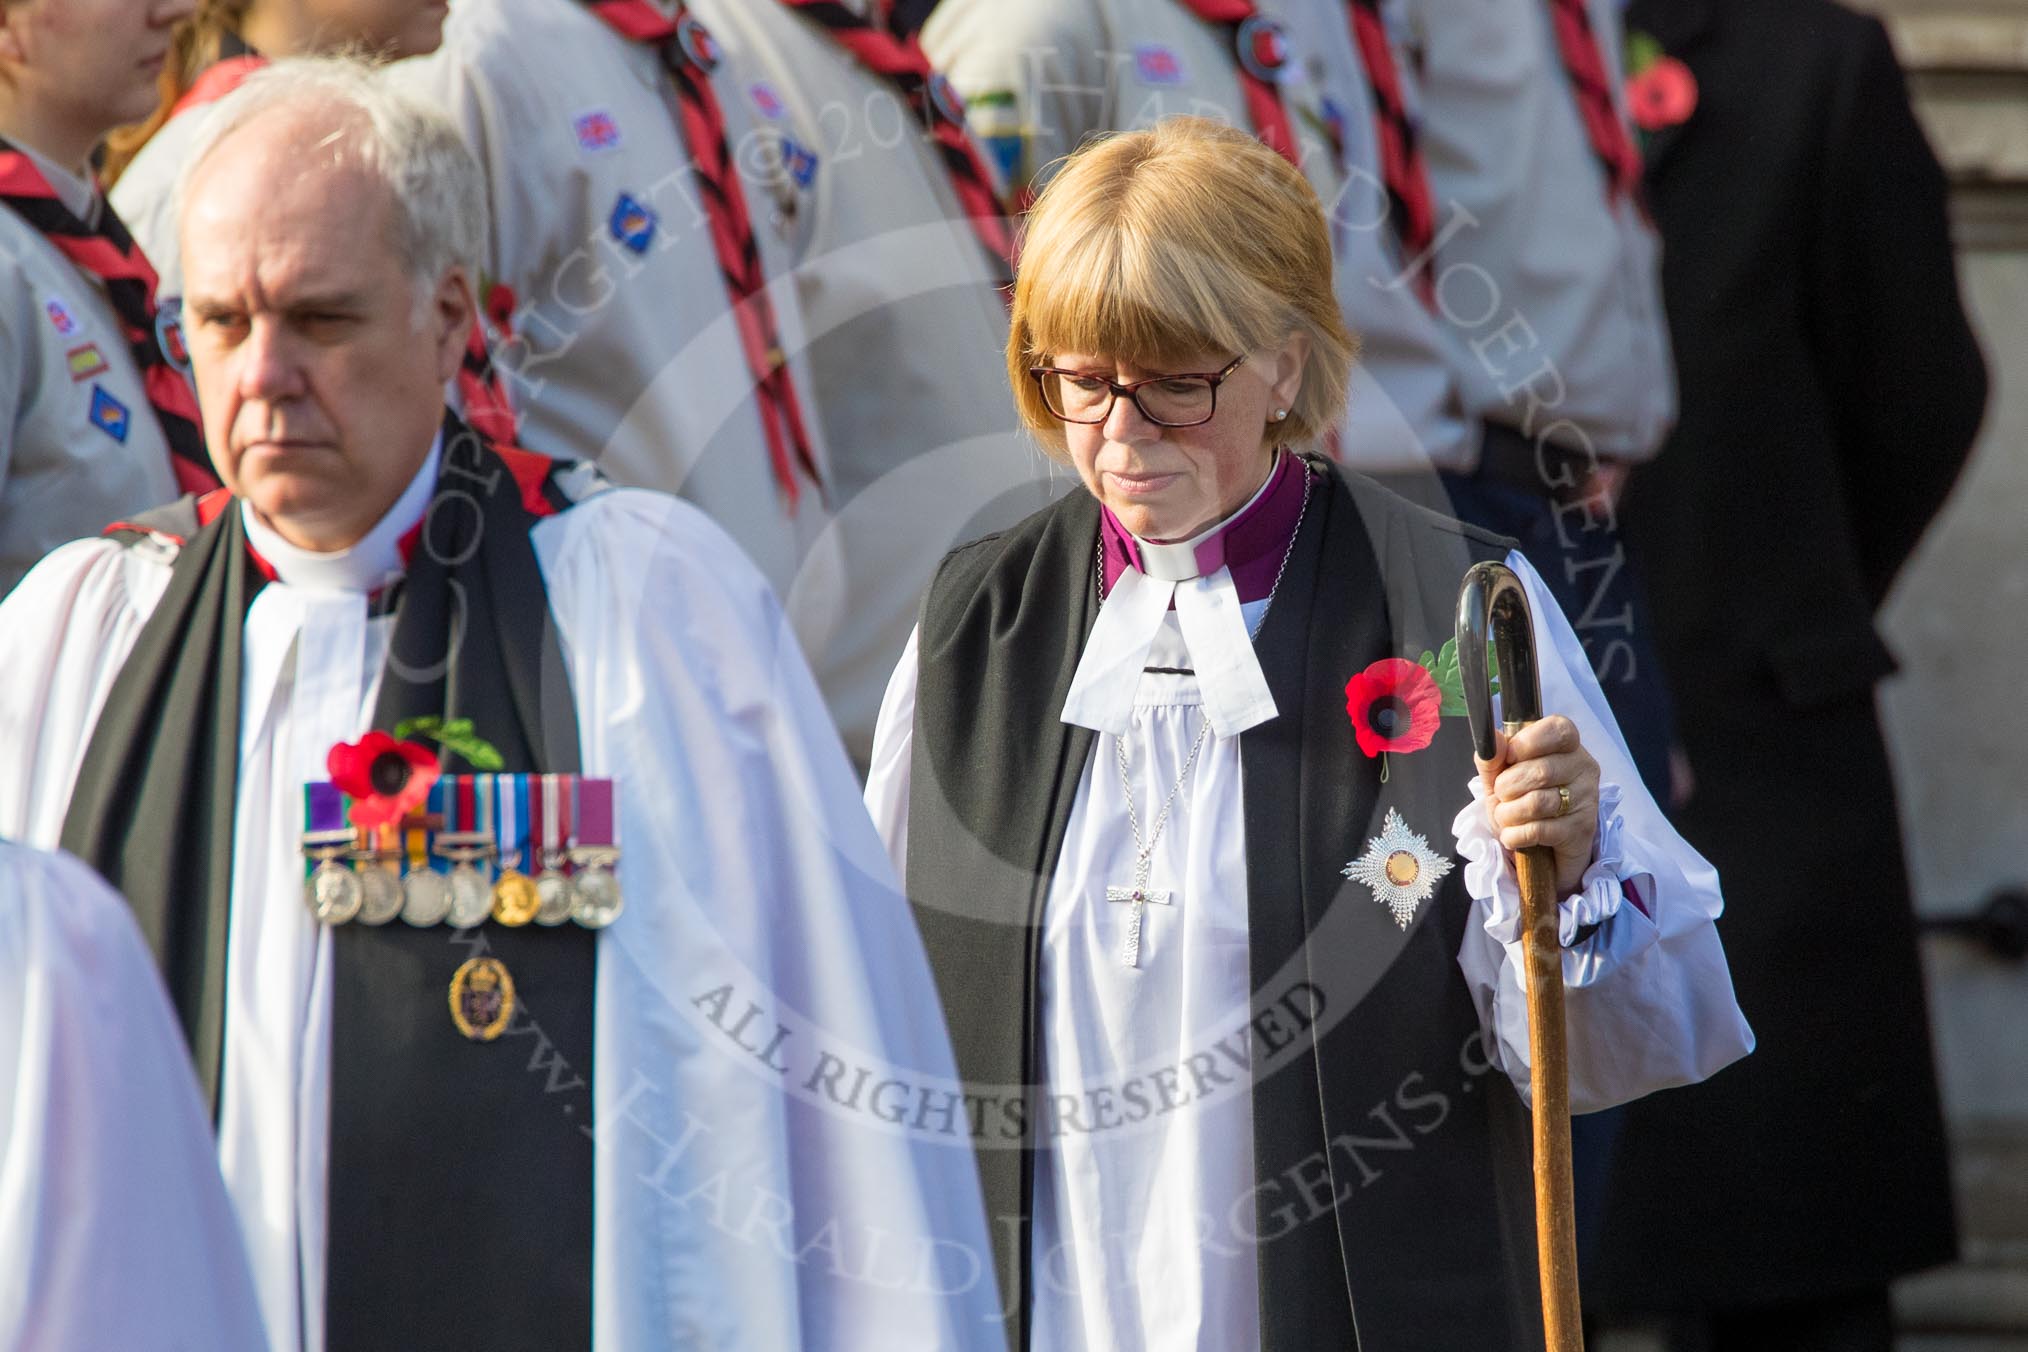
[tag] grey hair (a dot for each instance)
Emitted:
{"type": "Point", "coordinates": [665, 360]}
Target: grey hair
{"type": "Point", "coordinates": [438, 189]}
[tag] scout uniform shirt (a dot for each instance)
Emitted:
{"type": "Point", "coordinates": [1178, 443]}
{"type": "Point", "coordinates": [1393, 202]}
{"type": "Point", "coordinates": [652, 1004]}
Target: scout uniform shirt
{"type": "Point", "coordinates": [1546, 277]}
{"type": "Point", "coordinates": [1041, 77]}
{"type": "Point", "coordinates": [82, 446]}
{"type": "Point", "coordinates": [625, 348]}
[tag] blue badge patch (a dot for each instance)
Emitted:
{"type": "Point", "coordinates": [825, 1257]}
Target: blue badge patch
{"type": "Point", "coordinates": [1157, 65]}
{"type": "Point", "coordinates": [799, 160]}
{"type": "Point", "coordinates": [633, 224]}
{"type": "Point", "coordinates": [109, 415]}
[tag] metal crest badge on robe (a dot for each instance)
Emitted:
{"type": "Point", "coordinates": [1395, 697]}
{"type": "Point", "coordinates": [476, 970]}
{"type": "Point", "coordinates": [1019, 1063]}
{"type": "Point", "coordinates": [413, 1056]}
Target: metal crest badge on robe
{"type": "Point", "coordinates": [482, 998]}
{"type": "Point", "coordinates": [1400, 867]}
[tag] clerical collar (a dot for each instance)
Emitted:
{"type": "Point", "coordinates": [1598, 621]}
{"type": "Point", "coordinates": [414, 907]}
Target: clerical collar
{"type": "Point", "coordinates": [77, 192]}
{"type": "Point", "coordinates": [1200, 579]}
{"type": "Point", "coordinates": [377, 558]}
{"type": "Point", "coordinates": [1251, 541]}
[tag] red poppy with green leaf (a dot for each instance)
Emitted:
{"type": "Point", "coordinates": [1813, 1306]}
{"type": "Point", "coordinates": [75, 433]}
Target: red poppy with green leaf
{"type": "Point", "coordinates": [386, 779]}
{"type": "Point", "coordinates": [1396, 704]}
{"type": "Point", "coordinates": [1661, 91]}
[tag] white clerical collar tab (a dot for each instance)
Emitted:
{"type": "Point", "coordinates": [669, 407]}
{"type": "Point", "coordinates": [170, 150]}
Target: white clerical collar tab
{"type": "Point", "coordinates": [1229, 677]}
{"type": "Point", "coordinates": [1234, 688]}
{"type": "Point", "coordinates": [1183, 560]}
{"type": "Point", "coordinates": [1102, 691]}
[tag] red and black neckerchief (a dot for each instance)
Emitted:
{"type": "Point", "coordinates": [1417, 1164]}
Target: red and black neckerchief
{"type": "Point", "coordinates": [480, 389]}
{"type": "Point", "coordinates": [900, 60]}
{"type": "Point", "coordinates": [1592, 87]}
{"type": "Point", "coordinates": [1410, 203]}
{"type": "Point", "coordinates": [1262, 48]}
{"type": "Point", "coordinates": [108, 252]}
{"type": "Point", "coordinates": [690, 54]}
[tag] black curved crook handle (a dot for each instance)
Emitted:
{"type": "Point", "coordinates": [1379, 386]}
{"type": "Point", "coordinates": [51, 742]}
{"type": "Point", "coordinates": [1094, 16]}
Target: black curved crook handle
{"type": "Point", "coordinates": [1493, 616]}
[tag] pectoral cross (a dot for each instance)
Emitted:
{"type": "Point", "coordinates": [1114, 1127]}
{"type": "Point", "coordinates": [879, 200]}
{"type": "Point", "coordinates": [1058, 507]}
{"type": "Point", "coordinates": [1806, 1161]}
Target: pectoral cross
{"type": "Point", "coordinates": [1139, 895]}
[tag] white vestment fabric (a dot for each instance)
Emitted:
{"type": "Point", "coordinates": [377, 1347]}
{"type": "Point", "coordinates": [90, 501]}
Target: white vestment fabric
{"type": "Point", "coordinates": [114, 1221]}
{"type": "Point", "coordinates": [1143, 1237]}
{"type": "Point", "coordinates": [743, 1198]}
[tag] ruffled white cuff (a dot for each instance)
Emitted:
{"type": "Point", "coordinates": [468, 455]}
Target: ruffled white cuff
{"type": "Point", "coordinates": [1601, 896]}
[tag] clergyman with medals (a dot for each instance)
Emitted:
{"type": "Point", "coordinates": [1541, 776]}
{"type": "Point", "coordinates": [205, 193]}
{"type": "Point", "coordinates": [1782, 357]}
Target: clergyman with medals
{"type": "Point", "coordinates": [509, 881]}
{"type": "Point", "coordinates": [1224, 916]}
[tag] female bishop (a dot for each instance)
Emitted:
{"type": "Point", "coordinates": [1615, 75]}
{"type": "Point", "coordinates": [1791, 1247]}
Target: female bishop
{"type": "Point", "coordinates": [1167, 768]}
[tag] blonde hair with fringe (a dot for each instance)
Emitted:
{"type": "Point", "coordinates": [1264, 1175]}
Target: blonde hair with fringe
{"type": "Point", "coordinates": [1161, 246]}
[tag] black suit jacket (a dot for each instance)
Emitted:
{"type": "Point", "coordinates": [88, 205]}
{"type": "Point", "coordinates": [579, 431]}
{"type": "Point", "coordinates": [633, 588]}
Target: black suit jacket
{"type": "Point", "coordinates": [1830, 392]}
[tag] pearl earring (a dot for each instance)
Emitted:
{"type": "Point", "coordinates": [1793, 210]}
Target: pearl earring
{"type": "Point", "coordinates": [1280, 414]}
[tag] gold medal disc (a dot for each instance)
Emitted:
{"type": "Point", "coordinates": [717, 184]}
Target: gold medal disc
{"type": "Point", "coordinates": [515, 898]}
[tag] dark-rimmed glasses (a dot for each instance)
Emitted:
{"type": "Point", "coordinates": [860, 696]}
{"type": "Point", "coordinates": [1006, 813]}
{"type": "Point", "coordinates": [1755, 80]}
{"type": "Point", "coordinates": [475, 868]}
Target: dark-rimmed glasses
{"type": "Point", "coordinates": [1181, 400]}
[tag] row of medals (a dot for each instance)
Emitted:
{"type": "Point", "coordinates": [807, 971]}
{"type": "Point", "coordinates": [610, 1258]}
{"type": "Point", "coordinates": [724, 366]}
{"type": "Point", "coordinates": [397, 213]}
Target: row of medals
{"type": "Point", "coordinates": [339, 894]}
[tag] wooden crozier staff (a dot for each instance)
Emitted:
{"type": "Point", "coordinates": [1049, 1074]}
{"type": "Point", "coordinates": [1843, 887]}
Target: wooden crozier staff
{"type": "Point", "coordinates": [1493, 618]}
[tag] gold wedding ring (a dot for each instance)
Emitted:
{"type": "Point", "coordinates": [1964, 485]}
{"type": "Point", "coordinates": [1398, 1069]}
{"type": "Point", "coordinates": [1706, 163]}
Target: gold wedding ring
{"type": "Point", "coordinates": [1562, 799]}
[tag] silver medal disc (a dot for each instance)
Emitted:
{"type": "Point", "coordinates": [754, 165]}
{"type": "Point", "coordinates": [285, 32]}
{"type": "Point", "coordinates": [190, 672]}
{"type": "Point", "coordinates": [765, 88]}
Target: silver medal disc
{"type": "Point", "coordinates": [383, 896]}
{"type": "Point", "coordinates": [596, 894]}
{"type": "Point", "coordinates": [471, 898]}
{"type": "Point", "coordinates": [333, 893]}
{"type": "Point", "coordinates": [429, 898]}
{"type": "Point", "coordinates": [557, 899]}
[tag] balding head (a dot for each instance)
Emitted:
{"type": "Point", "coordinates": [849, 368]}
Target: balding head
{"type": "Point", "coordinates": [327, 230]}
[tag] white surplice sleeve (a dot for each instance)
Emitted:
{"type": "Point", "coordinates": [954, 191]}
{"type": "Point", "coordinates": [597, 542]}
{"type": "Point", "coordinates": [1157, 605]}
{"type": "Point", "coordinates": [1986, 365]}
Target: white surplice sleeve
{"type": "Point", "coordinates": [113, 1217]}
{"type": "Point", "coordinates": [1648, 995]}
{"type": "Point", "coordinates": [893, 745]}
{"type": "Point", "coordinates": [783, 1158]}
{"type": "Point", "coordinates": [70, 625]}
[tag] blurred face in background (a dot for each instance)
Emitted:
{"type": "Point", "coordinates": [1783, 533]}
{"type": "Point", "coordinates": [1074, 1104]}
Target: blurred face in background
{"type": "Point", "coordinates": [72, 70]}
{"type": "Point", "coordinates": [390, 28]}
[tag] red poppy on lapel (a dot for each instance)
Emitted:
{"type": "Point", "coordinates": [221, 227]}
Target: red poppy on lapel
{"type": "Point", "coordinates": [1662, 96]}
{"type": "Point", "coordinates": [385, 779]}
{"type": "Point", "coordinates": [1394, 705]}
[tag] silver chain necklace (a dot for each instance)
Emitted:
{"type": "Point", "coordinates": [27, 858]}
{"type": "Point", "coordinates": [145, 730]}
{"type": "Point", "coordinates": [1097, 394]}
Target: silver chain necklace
{"type": "Point", "coordinates": [1140, 895]}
